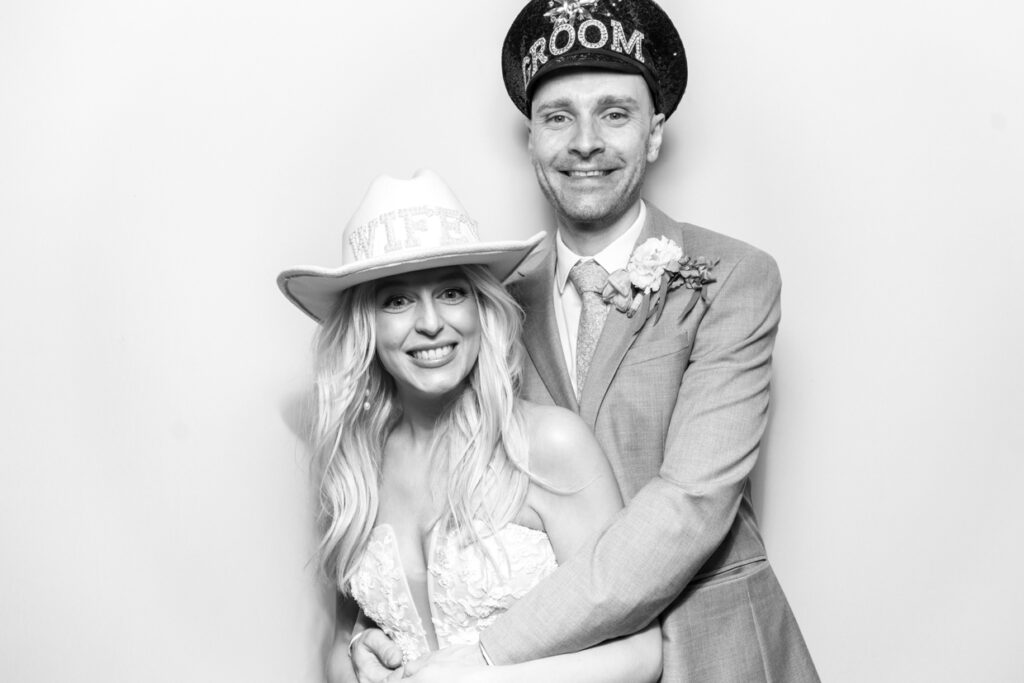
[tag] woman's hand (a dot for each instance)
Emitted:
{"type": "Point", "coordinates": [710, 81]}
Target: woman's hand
{"type": "Point", "coordinates": [456, 664]}
{"type": "Point", "coordinates": [375, 658]}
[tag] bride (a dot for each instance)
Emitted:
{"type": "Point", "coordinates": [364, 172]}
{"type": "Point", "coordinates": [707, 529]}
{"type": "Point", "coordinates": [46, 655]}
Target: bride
{"type": "Point", "coordinates": [444, 497]}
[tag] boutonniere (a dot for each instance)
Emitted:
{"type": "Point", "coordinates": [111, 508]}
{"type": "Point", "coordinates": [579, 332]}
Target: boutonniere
{"type": "Point", "coordinates": [656, 267]}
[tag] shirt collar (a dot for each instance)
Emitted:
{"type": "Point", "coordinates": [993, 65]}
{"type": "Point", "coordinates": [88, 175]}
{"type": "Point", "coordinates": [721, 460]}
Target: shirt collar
{"type": "Point", "coordinates": [611, 258]}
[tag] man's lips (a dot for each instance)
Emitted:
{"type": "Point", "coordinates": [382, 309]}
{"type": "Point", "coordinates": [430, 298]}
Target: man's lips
{"type": "Point", "coordinates": [586, 173]}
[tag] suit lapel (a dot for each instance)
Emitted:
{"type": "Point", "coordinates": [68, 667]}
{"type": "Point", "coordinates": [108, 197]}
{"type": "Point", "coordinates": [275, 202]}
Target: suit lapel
{"type": "Point", "coordinates": [620, 331]}
{"type": "Point", "coordinates": [540, 331]}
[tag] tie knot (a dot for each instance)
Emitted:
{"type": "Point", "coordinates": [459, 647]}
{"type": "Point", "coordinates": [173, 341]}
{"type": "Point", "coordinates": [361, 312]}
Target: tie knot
{"type": "Point", "coordinates": [588, 276]}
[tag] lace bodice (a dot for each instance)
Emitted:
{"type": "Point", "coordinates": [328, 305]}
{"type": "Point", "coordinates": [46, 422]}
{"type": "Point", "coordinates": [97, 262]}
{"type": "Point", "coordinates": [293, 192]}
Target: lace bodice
{"type": "Point", "coordinates": [466, 592]}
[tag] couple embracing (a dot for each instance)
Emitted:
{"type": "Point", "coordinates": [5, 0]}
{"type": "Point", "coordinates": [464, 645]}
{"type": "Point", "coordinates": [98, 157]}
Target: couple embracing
{"type": "Point", "coordinates": [534, 455]}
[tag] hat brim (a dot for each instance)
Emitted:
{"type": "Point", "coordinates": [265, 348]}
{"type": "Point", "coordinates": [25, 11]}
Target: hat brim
{"type": "Point", "coordinates": [314, 290]}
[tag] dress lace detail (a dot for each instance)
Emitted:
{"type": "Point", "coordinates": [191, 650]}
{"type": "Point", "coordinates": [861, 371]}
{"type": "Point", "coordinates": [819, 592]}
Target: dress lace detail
{"type": "Point", "coordinates": [380, 588]}
{"type": "Point", "coordinates": [466, 591]}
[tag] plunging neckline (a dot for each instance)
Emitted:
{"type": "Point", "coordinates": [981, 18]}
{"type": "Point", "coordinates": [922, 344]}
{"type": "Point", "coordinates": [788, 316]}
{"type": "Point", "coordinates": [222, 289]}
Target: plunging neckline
{"type": "Point", "coordinates": [428, 555]}
{"type": "Point", "coordinates": [464, 590]}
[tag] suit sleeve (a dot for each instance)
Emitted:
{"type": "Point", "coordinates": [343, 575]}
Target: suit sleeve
{"type": "Point", "coordinates": [631, 571]}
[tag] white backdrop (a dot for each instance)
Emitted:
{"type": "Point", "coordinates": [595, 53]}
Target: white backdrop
{"type": "Point", "coordinates": [161, 161]}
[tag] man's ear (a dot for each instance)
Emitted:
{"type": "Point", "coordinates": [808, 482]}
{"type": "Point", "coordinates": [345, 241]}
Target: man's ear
{"type": "Point", "coordinates": [529, 135]}
{"type": "Point", "coordinates": [654, 141]}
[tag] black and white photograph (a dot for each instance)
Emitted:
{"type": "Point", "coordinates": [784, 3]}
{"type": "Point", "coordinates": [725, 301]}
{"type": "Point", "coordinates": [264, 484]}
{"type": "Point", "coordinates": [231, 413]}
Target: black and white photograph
{"type": "Point", "coordinates": [619, 341]}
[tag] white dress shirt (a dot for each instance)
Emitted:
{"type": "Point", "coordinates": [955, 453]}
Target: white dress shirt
{"type": "Point", "coordinates": [568, 303]}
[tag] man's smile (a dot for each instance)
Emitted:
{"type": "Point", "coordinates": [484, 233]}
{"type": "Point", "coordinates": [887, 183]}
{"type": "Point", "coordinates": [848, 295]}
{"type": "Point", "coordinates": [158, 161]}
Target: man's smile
{"type": "Point", "coordinates": [587, 174]}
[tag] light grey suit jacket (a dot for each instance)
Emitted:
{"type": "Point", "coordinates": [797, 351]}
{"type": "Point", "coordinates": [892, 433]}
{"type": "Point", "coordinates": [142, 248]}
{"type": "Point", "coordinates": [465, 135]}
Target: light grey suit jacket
{"type": "Point", "coordinates": [680, 406]}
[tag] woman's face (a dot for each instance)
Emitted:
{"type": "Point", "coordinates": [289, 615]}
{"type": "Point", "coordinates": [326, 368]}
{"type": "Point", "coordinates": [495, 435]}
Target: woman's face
{"type": "Point", "coordinates": [428, 331]}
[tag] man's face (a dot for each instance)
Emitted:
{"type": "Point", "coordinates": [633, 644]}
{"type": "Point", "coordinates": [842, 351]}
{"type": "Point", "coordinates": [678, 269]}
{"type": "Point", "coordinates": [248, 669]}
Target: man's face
{"type": "Point", "coordinates": [592, 134]}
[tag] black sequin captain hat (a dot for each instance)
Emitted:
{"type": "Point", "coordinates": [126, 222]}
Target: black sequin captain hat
{"type": "Point", "coordinates": [632, 36]}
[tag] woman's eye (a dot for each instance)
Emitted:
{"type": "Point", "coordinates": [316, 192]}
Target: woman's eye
{"type": "Point", "coordinates": [395, 302]}
{"type": "Point", "coordinates": [453, 295]}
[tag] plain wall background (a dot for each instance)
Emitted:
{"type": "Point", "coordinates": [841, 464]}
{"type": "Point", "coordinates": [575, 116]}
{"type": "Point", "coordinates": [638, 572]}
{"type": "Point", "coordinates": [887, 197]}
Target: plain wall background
{"type": "Point", "coordinates": [160, 162]}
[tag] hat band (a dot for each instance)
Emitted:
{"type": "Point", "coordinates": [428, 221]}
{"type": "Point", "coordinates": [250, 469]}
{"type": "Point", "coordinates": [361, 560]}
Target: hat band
{"type": "Point", "coordinates": [417, 227]}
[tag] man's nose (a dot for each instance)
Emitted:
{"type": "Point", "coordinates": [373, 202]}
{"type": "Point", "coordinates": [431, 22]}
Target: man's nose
{"type": "Point", "coordinates": [428, 322]}
{"type": "Point", "coordinates": [587, 140]}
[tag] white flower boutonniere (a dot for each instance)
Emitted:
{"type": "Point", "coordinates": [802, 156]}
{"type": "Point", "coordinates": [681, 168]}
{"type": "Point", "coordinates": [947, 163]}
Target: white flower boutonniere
{"type": "Point", "coordinates": [656, 267]}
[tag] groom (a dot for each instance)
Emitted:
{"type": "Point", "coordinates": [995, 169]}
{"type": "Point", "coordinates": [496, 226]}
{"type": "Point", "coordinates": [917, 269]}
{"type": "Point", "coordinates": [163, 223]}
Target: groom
{"type": "Point", "coordinates": [669, 364]}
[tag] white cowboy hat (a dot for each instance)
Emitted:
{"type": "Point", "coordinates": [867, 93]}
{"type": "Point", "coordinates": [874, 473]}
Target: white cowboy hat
{"type": "Point", "coordinates": [399, 227]}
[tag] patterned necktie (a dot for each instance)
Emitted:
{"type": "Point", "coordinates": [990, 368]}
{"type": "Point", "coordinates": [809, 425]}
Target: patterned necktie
{"type": "Point", "coordinates": [589, 279]}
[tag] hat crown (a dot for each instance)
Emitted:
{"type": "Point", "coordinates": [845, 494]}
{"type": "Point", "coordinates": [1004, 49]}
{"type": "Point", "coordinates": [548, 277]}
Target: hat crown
{"type": "Point", "coordinates": [401, 226]}
{"type": "Point", "coordinates": [406, 215]}
{"type": "Point", "coordinates": [635, 36]}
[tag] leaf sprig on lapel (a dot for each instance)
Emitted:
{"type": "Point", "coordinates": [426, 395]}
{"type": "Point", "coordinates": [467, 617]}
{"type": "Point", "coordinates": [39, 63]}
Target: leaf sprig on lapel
{"type": "Point", "coordinates": [655, 267]}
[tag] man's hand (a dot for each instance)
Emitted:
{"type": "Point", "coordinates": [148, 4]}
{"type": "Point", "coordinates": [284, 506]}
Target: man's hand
{"type": "Point", "coordinates": [376, 658]}
{"type": "Point", "coordinates": [457, 660]}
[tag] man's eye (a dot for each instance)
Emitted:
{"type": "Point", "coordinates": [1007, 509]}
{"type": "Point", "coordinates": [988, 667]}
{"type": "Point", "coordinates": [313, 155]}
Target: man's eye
{"type": "Point", "coordinates": [557, 119]}
{"type": "Point", "coordinates": [617, 115]}
{"type": "Point", "coordinates": [453, 295]}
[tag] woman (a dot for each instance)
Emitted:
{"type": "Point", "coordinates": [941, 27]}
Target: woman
{"type": "Point", "coordinates": [444, 496]}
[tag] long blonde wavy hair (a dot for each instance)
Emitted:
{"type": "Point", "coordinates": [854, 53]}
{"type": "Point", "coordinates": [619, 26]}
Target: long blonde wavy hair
{"type": "Point", "coordinates": [480, 449]}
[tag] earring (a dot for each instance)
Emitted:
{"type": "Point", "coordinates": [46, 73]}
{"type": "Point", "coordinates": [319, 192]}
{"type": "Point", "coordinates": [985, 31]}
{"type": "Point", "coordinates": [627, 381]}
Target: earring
{"type": "Point", "coordinates": [366, 400]}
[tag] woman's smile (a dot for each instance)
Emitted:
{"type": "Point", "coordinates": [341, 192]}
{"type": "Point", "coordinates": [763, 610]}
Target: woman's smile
{"type": "Point", "coordinates": [434, 356]}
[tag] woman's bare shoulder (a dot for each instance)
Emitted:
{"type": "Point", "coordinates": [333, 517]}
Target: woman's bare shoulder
{"type": "Point", "coordinates": [563, 450]}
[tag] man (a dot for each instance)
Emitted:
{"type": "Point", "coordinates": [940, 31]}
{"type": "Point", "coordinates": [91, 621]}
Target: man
{"type": "Point", "coordinates": [669, 364]}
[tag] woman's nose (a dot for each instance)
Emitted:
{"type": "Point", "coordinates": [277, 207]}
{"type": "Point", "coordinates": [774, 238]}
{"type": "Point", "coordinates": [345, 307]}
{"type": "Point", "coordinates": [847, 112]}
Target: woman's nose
{"type": "Point", "coordinates": [428, 322]}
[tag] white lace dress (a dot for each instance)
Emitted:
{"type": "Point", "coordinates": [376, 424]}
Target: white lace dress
{"type": "Point", "coordinates": [465, 592]}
